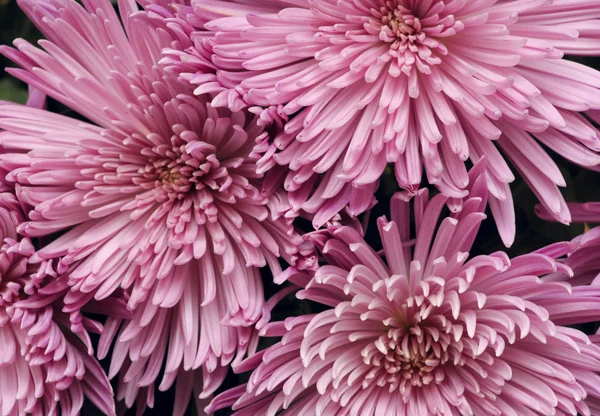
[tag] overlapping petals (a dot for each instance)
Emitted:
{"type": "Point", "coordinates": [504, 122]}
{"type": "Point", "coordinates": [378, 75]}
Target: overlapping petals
{"type": "Point", "coordinates": [421, 84]}
{"type": "Point", "coordinates": [158, 192]}
{"type": "Point", "coordinates": [46, 357]}
{"type": "Point", "coordinates": [142, 224]}
{"type": "Point", "coordinates": [428, 330]}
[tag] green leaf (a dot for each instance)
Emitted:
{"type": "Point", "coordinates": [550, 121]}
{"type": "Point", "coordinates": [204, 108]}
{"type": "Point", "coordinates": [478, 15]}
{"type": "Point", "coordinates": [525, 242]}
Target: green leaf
{"type": "Point", "coordinates": [11, 90]}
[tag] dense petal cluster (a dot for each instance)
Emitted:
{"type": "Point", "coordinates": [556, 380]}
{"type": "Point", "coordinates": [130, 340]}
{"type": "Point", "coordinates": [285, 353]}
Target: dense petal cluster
{"type": "Point", "coordinates": [158, 192]}
{"type": "Point", "coordinates": [428, 331]}
{"type": "Point", "coordinates": [422, 84]}
{"type": "Point", "coordinates": [142, 224]}
{"type": "Point", "coordinates": [46, 360]}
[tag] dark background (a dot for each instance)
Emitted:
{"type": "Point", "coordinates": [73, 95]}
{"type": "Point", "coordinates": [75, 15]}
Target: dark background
{"type": "Point", "coordinates": [532, 232]}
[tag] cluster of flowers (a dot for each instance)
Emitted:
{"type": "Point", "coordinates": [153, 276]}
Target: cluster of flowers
{"type": "Point", "coordinates": [205, 128]}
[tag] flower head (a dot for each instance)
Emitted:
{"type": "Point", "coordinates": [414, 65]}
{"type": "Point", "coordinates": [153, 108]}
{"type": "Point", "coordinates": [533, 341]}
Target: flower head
{"type": "Point", "coordinates": [158, 192]}
{"type": "Point", "coordinates": [46, 358]}
{"type": "Point", "coordinates": [421, 84]}
{"type": "Point", "coordinates": [428, 331]}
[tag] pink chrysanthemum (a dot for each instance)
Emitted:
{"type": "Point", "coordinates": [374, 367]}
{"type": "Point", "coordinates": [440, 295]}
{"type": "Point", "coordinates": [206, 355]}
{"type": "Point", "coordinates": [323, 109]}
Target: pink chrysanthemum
{"type": "Point", "coordinates": [46, 361]}
{"type": "Point", "coordinates": [428, 331]}
{"type": "Point", "coordinates": [422, 84]}
{"type": "Point", "coordinates": [160, 196]}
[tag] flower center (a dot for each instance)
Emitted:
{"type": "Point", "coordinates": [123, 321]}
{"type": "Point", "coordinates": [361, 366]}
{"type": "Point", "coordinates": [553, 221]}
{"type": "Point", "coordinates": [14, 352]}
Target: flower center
{"type": "Point", "coordinates": [405, 357]}
{"type": "Point", "coordinates": [414, 40]}
{"type": "Point", "coordinates": [399, 25]}
{"type": "Point", "coordinates": [183, 167]}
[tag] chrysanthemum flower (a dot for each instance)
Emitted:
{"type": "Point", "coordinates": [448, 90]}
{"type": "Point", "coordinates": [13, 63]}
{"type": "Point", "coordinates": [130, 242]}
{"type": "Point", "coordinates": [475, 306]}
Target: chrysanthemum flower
{"type": "Point", "coordinates": [191, 61]}
{"type": "Point", "coordinates": [158, 193]}
{"type": "Point", "coordinates": [46, 361]}
{"type": "Point", "coordinates": [427, 331]}
{"type": "Point", "coordinates": [422, 84]}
